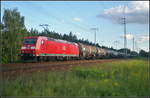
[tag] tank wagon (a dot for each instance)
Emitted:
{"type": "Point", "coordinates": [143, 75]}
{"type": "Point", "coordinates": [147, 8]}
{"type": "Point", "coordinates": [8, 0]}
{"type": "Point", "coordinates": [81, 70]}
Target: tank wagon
{"type": "Point", "coordinates": [101, 53]}
{"type": "Point", "coordinates": [87, 51]}
{"type": "Point", "coordinates": [44, 48]}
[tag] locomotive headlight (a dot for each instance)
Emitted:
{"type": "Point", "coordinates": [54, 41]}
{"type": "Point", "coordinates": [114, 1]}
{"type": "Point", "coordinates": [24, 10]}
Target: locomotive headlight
{"type": "Point", "coordinates": [33, 47]}
{"type": "Point", "coordinates": [23, 47]}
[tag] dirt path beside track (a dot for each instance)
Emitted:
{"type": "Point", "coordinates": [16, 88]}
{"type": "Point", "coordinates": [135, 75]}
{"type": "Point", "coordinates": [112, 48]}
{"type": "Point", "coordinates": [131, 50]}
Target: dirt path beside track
{"type": "Point", "coordinates": [10, 71]}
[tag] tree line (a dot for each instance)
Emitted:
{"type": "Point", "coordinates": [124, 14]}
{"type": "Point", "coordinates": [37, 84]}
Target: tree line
{"type": "Point", "coordinates": [13, 31]}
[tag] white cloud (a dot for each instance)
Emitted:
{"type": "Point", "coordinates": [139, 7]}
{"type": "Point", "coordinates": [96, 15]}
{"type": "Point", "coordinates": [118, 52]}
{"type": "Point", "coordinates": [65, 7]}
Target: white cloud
{"type": "Point", "coordinates": [76, 19]}
{"type": "Point", "coordinates": [139, 38]}
{"type": "Point", "coordinates": [142, 39]}
{"type": "Point", "coordinates": [135, 12]}
{"type": "Point", "coordinates": [128, 36]}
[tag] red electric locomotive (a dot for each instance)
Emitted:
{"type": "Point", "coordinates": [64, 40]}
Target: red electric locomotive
{"type": "Point", "coordinates": [45, 48]}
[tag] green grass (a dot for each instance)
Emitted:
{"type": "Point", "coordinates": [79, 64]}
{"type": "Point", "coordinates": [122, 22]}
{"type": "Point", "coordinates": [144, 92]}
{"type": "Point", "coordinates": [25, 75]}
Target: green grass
{"type": "Point", "coordinates": [121, 78]}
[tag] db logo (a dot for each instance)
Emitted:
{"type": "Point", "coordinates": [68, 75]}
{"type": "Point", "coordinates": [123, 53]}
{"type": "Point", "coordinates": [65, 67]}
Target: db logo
{"type": "Point", "coordinates": [63, 48]}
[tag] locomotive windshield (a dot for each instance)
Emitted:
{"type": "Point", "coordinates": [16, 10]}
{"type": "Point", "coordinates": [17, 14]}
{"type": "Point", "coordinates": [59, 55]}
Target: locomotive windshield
{"type": "Point", "coordinates": [30, 41]}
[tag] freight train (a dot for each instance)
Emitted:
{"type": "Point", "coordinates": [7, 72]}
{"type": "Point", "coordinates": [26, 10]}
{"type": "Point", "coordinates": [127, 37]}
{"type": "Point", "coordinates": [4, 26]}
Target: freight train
{"type": "Point", "coordinates": [41, 48]}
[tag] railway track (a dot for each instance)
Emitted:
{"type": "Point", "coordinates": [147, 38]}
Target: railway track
{"type": "Point", "coordinates": [11, 70]}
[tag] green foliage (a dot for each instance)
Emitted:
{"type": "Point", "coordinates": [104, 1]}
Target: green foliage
{"type": "Point", "coordinates": [144, 53]}
{"type": "Point", "coordinates": [33, 32]}
{"type": "Point", "coordinates": [122, 78]}
{"type": "Point", "coordinates": [12, 33]}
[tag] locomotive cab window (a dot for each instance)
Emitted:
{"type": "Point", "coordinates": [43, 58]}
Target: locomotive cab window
{"type": "Point", "coordinates": [30, 41]}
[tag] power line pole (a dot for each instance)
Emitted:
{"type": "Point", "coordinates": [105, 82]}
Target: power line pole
{"type": "Point", "coordinates": [133, 43]}
{"type": "Point", "coordinates": [116, 43]}
{"type": "Point", "coordinates": [125, 39]}
{"type": "Point", "coordinates": [95, 36]}
{"type": "Point", "coordinates": [95, 30]}
{"type": "Point", "coordinates": [136, 46]}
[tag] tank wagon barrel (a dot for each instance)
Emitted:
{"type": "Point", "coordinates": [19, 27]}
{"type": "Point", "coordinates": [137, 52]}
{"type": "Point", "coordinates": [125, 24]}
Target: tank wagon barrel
{"type": "Point", "coordinates": [87, 51]}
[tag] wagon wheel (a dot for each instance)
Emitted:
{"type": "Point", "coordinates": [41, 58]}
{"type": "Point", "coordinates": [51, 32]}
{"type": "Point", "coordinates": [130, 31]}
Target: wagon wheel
{"type": "Point", "coordinates": [40, 58]}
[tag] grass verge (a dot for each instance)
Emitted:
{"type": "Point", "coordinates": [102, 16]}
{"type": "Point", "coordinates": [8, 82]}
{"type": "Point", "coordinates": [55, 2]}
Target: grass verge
{"type": "Point", "coordinates": [122, 78]}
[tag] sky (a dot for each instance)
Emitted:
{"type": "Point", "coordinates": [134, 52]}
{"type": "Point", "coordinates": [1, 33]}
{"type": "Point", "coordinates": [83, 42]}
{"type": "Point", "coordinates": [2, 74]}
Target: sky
{"type": "Point", "coordinates": [79, 17]}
